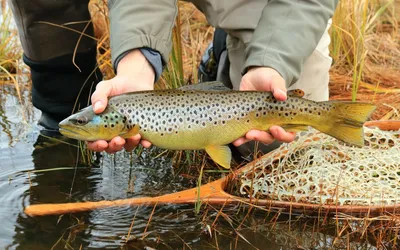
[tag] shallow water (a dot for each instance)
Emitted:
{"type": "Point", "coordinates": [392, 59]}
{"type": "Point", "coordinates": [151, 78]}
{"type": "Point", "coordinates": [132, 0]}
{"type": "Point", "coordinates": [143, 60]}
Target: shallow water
{"type": "Point", "coordinates": [23, 150]}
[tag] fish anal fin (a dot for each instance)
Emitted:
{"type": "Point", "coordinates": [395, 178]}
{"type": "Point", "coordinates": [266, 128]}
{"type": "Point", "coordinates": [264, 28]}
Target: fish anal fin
{"type": "Point", "coordinates": [295, 93]}
{"type": "Point", "coordinates": [220, 154]}
{"type": "Point", "coordinates": [295, 128]}
{"type": "Point", "coordinates": [133, 131]}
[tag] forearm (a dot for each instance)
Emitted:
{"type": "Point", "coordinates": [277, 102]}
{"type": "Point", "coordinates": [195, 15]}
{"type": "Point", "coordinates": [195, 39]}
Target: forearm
{"type": "Point", "coordinates": [287, 34]}
{"type": "Point", "coordinates": [141, 24]}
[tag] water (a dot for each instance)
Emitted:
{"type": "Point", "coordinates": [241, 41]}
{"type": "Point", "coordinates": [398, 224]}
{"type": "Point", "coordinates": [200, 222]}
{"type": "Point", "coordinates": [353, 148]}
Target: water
{"type": "Point", "coordinates": [23, 151]}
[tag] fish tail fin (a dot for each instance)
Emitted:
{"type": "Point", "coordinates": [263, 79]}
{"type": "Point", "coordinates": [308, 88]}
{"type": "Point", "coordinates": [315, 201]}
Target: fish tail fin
{"type": "Point", "coordinates": [345, 121]}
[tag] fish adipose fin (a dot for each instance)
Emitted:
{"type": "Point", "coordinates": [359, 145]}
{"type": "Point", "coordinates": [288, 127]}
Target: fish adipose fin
{"type": "Point", "coordinates": [346, 121]}
{"type": "Point", "coordinates": [296, 93]}
{"type": "Point", "coordinates": [220, 154]}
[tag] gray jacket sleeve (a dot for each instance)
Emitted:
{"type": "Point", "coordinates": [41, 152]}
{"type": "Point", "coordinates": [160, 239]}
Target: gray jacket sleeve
{"type": "Point", "coordinates": [141, 24]}
{"type": "Point", "coordinates": [287, 34]}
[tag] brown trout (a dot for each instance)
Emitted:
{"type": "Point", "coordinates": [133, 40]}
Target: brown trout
{"type": "Point", "coordinates": [185, 119]}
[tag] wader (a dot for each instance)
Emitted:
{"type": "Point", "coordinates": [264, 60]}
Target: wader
{"type": "Point", "coordinates": [61, 59]}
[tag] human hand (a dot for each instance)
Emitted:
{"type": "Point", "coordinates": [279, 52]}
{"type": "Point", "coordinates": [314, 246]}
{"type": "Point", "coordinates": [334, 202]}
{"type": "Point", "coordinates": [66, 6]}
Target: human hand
{"type": "Point", "coordinates": [134, 73]}
{"type": "Point", "coordinates": [265, 79]}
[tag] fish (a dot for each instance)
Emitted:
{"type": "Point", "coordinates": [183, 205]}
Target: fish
{"type": "Point", "coordinates": [197, 118]}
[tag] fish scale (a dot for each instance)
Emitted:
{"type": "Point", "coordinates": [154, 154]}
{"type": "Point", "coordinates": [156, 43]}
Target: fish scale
{"type": "Point", "coordinates": [194, 109]}
{"type": "Point", "coordinates": [198, 119]}
{"type": "Point", "coordinates": [184, 116]}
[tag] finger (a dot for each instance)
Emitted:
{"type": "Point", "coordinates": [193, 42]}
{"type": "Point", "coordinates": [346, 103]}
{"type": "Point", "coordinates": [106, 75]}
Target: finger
{"type": "Point", "coordinates": [278, 88]}
{"type": "Point", "coordinates": [261, 136]}
{"type": "Point", "coordinates": [145, 143]}
{"type": "Point", "coordinates": [100, 96]}
{"type": "Point", "coordinates": [281, 135]}
{"type": "Point", "coordinates": [240, 141]}
{"type": "Point", "coordinates": [115, 145]}
{"type": "Point", "coordinates": [132, 142]}
{"type": "Point", "coordinates": [98, 146]}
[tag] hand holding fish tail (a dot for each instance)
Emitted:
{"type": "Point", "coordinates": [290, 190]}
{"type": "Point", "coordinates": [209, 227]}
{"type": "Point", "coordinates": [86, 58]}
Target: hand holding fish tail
{"type": "Point", "coordinates": [265, 79]}
{"type": "Point", "coordinates": [134, 73]}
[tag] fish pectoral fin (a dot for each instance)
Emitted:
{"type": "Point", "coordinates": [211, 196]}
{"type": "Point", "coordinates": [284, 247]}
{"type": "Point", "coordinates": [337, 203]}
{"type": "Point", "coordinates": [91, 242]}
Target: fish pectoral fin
{"type": "Point", "coordinates": [132, 132]}
{"type": "Point", "coordinates": [295, 128]}
{"type": "Point", "coordinates": [220, 154]}
{"type": "Point", "coordinates": [295, 93]}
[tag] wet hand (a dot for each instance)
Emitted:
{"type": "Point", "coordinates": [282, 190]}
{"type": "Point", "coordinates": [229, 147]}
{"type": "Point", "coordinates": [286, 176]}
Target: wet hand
{"type": "Point", "coordinates": [265, 79]}
{"type": "Point", "coordinates": [134, 73]}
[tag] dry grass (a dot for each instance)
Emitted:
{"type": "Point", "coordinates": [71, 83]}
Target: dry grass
{"type": "Point", "coordinates": [365, 48]}
{"type": "Point", "coordinates": [366, 51]}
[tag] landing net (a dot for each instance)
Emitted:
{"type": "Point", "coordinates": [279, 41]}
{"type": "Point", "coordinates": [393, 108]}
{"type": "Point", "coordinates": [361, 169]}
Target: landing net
{"type": "Point", "coordinates": [319, 169]}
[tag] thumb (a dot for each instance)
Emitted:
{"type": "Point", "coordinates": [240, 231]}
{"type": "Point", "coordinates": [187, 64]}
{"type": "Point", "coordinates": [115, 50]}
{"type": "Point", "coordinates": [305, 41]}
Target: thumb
{"type": "Point", "coordinates": [100, 96]}
{"type": "Point", "coordinates": [278, 87]}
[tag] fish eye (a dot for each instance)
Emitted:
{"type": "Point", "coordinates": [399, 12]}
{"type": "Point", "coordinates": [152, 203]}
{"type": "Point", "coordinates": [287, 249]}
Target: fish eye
{"type": "Point", "coordinates": [79, 121]}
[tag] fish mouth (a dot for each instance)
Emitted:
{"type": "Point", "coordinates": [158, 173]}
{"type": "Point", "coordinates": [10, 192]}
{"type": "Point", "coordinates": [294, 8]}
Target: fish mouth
{"type": "Point", "coordinates": [74, 133]}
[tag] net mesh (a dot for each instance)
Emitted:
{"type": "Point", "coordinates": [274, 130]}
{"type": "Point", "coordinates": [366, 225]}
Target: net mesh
{"type": "Point", "coordinates": [319, 169]}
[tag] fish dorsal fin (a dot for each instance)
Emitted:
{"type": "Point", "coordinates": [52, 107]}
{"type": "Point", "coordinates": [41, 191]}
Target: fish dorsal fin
{"type": "Point", "coordinates": [220, 154]}
{"type": "Point", "coordinates": [206, 86]}
{"type": "Point", "coordinates": [296, 93]}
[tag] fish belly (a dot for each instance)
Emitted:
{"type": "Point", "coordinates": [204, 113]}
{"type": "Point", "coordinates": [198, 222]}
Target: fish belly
{"type": "Point", "coordinates": [198, 137]}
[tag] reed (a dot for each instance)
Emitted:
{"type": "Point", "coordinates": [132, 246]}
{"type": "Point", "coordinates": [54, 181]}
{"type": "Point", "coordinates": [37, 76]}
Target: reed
{"type": "Point", "coordinates": [366, 53]}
